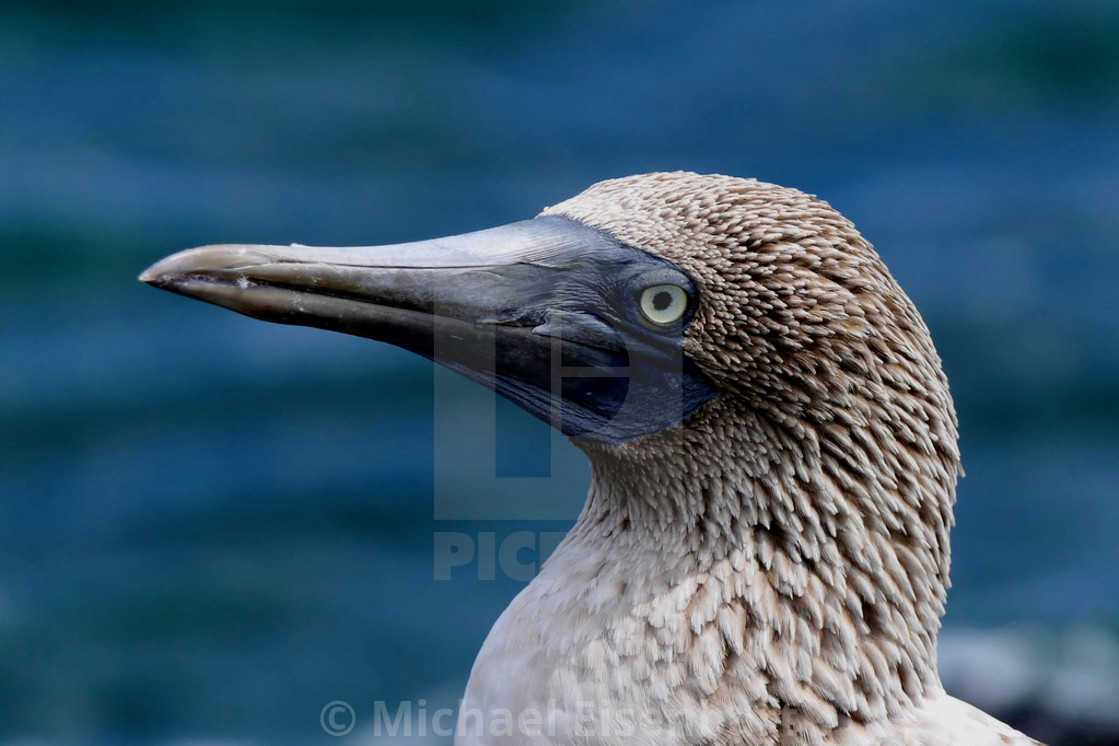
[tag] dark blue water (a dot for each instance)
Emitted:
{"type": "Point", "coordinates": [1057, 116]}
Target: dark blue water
{"type": "Point", "coordinates": [210, 527]}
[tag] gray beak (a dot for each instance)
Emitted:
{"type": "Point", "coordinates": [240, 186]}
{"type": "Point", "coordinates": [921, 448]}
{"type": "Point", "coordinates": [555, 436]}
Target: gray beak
{"type": "Point", "coordinates": [542, 311]}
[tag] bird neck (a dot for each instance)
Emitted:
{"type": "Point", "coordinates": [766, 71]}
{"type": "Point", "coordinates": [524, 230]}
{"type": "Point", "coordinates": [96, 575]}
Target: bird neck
{"type": "Point", "coordinates": [820, 553]}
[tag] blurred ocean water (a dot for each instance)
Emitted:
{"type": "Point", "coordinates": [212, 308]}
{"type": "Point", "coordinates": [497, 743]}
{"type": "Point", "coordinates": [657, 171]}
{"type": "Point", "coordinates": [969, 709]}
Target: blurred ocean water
{"type": "Point", "coordinates": [211, 527]}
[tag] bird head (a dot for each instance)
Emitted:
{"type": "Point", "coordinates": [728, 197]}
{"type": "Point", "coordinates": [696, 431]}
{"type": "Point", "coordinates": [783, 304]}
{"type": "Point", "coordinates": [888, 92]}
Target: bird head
{"type": "Point", "coordinates": [619, 313]}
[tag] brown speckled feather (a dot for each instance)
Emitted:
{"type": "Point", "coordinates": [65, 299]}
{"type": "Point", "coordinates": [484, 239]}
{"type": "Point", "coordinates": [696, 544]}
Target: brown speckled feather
{"type": "Point", "coordinates": [773, 570]}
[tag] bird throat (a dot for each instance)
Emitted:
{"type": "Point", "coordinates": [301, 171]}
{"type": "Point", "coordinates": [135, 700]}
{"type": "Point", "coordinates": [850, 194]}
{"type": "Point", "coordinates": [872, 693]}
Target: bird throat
{"type": "Point", "coordinates": [774, 576]}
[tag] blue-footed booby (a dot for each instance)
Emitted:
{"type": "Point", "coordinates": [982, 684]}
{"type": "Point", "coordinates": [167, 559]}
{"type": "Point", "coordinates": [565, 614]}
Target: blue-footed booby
{"type": "Point", "coordinates": [763, 555]}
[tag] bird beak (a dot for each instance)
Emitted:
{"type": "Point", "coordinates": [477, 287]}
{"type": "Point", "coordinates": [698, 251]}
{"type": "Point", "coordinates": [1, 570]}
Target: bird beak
{"type": "Point", "coordinates": [527, 309]}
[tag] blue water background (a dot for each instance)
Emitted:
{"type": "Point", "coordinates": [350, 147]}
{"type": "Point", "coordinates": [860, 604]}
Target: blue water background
{"type": "Point", "coordinates": [210, 526]}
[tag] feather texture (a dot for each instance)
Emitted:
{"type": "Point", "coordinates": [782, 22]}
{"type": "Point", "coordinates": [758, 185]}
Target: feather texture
{"type": "Point", "coordinates": [774, 569]}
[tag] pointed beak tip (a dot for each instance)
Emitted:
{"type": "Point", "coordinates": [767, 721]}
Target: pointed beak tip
{"type": "Point", "coordinates": [201, 261]}
{"type": "Point", "coordinates": [162, 273]}
{"type": "Point", "coordinates": [171, 268]}
{"type": "Point", "coordinates": [151, 275]}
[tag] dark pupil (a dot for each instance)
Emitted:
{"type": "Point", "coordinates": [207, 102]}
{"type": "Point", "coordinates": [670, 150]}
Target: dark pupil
{"type": "Point", "coordinates": [662, 300]}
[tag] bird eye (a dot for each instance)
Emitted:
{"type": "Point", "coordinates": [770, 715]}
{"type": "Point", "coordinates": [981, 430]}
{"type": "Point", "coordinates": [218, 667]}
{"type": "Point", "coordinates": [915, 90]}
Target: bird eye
{"type": "Point", "coordinates": [663, 304]}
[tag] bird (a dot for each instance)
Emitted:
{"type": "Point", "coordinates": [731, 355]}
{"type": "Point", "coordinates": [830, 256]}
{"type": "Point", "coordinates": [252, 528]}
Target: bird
{"type": "Point", "coordinates": [763, 555]}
